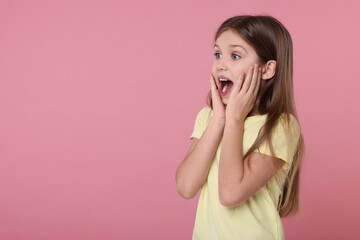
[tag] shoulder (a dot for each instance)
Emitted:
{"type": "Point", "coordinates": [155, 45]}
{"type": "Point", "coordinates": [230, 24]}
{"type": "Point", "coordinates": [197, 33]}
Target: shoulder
{"type": "Point", "coordinates": [284, 139]}
{"type": "Point", "coordinates": [201, 122]}
{"type": "Point", "coordinates": [289, 123]}
{"type": "Point", "coordinates": [286, 133]}
{"type": "Point", "coordinates": [205, 113]}
{"type": "Point", "coordinates": [206, 110]}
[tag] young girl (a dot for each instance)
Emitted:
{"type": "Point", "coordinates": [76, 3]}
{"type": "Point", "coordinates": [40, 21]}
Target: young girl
{"type": "Point", "coordinates": [247, 145]}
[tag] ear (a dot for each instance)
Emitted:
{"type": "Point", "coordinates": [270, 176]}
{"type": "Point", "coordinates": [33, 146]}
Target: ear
{"type": "Point", "coordinates": [268, 70]}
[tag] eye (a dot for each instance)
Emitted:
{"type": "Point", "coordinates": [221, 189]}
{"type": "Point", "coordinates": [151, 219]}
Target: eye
{"type": "Point", "coordinates": [217, 55]}
{"type": "Point", "coordinates": [235, 56]}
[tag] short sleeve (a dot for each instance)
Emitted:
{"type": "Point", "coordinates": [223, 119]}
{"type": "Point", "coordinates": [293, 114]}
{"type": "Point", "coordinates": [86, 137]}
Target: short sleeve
{"type": "Point", "coordinates": [285, 138]}
{"type": "Point", "coordinates": [201, 122]}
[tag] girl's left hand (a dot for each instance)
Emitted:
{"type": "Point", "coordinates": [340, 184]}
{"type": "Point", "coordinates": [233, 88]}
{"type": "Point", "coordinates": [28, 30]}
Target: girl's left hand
{"type": "Point", "coordinates": [243, 94]}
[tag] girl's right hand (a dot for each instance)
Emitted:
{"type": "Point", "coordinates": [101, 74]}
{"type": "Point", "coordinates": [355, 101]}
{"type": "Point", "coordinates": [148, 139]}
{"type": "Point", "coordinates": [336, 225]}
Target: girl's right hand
{"type": "Point", "coordinates": [218, 106]}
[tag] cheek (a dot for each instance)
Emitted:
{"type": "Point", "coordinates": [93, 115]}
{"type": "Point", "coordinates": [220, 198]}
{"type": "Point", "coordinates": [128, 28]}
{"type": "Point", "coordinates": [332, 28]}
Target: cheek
{"type": "Point", "coordinates": [213, 68]}
{"type": "Point", "coordinates": [238, 72]}
{"type": "Point", "coordinates": [244, 68]}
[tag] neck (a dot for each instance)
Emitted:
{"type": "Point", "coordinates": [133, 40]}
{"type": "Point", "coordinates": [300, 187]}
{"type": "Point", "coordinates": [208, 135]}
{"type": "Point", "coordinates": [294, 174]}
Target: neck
{"type": "Point", "coordinates": [254, 111]}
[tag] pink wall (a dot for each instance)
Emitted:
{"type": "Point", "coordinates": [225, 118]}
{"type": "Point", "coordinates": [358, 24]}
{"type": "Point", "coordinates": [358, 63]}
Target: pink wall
{"type": "Point", "coordinates": [98, 99]}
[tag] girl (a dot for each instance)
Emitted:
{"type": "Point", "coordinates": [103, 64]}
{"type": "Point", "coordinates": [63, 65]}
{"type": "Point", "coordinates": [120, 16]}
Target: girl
{"type": "Point", "coordinates": [247, 145]}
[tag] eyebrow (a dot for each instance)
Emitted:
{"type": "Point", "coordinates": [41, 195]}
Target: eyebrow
{"type": "Point", "coordinates": [233, 45]}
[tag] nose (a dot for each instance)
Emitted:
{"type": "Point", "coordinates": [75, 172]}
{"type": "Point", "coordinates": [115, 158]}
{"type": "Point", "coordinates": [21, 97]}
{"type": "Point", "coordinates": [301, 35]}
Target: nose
{"type": "Point", "coordinates": [221, 65]}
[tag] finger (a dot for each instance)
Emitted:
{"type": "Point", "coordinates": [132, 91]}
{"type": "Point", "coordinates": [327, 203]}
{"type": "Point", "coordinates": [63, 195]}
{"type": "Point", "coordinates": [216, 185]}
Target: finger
{"type": "Point", "coordinates": [239, 82]}
{"type": "Point", "coordinates": [256, 90]}
{"type": "Point", "coordinates": [254, 79]}
{"type": "Point", "coordinates": [248, 79]}
{"type": "Point", "coordinates": [214, 89]}
{"type": "Point", "coordinates": [212, 83]}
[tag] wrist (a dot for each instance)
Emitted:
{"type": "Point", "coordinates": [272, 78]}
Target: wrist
{"type": "Point", "coordinates": [235, 120]}
{"type": "Point", "coordinates": [218, 121]}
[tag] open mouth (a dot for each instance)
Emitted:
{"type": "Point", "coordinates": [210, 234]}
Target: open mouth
{"type": "Point", "coordinates": [225, 85]}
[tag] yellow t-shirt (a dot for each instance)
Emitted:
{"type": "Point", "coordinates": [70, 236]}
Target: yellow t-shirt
{"type": "Point", "coordinates": [257, 218]}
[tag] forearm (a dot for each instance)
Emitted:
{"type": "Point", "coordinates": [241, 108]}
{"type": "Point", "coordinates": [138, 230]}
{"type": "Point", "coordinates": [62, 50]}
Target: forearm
{"type": "Point", "coordinates": [194, 169]}
{"type": "Point", "coordinates": [231, 166]}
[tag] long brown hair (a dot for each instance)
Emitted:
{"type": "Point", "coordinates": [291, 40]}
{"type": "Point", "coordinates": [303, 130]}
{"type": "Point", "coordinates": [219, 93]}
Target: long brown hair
{"type": "Point", "coordinates": [272, 41]}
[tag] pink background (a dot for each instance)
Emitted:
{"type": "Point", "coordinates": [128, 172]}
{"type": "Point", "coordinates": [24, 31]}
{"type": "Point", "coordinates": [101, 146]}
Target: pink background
{"type": "Point", "coordinates": [98, 100]}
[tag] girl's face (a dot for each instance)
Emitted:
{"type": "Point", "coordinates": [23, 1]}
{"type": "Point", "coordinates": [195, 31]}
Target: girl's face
{"type": "Point", "coordinates": [232, 56]}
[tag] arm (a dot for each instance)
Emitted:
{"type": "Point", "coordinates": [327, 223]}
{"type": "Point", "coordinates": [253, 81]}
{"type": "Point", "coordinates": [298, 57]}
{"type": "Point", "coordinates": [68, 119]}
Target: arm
{"type": "Point", "coordinates": [193, 170]}
{"type": "Point", "coordinates": [240, 178]}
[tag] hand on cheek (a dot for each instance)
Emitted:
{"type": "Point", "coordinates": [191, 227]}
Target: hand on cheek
{"type": "Point", "coordinates": [218, 106]}
{"type": "Point", "coordinates": [243, 95]}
